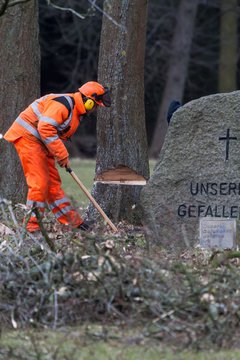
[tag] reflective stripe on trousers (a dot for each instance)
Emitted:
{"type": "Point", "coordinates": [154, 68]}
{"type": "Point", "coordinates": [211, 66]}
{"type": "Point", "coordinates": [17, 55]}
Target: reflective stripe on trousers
{"type": "Point", "coordinates": [44, 183]}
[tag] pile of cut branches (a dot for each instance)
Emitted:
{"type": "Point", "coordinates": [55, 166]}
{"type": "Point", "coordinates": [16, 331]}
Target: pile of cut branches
{"type": "Point", "coordinates": [191, 299]}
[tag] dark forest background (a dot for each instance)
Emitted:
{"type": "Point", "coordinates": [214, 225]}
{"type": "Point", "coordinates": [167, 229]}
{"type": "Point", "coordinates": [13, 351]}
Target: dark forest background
{"type": "Point", "coordinates": [70, 45]}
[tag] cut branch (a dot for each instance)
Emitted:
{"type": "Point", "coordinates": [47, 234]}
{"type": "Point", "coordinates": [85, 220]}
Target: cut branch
{"type": "Point", "coordinates": [66, 9]}
{"type": "Point", "coordinates": [93, 5]}
{"type": "Point", "coordinates": [16, 2]}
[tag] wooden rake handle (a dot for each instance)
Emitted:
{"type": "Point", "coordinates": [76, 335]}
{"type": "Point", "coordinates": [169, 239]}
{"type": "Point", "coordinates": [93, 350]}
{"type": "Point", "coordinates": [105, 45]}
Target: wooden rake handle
{"type": "Point", "coordinates": [87, 193]}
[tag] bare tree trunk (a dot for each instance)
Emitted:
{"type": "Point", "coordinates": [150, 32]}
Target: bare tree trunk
{"type": "Point", "coordinates": [177, 71]}
{"type": "Point", "coordinates": [228, 46]}
{"type": "Point", "coordinates": [121, 132]}
{"type": "Point", "coordinates": [19, 85]}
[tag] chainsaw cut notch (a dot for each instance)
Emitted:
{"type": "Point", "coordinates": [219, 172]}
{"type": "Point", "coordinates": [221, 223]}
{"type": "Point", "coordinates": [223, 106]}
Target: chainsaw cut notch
{"type": "Point", "coordinates": [120, 175]}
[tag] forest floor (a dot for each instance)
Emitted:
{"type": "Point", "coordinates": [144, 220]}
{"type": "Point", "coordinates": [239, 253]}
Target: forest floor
{"type": "Point", "coordinates": [114, 296]}
{"type": "Point", "coordinates": [90, 342]}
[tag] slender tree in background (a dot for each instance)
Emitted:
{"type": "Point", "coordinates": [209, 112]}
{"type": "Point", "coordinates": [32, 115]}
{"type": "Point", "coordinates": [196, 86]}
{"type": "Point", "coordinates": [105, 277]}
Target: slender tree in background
{"type": "Point", "coordinates": [19, 85]}
{"type": "Point", "coordinates": [121, 132]}
{"type": "Point", "coordinates": [228, 46]}
{"type": "Point", "coordinates": [177, 69]}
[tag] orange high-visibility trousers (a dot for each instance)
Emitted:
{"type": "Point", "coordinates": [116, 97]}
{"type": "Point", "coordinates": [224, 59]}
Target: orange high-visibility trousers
{"type": "Point", "coordinates": [44, 184]}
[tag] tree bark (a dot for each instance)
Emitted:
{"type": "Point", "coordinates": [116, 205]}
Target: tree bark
{"type": "Point", "coordinates": [228, 46]}
{"type": "Point", "coordinates": [121, 131]}
{"type": "Point", "coordinates": [19, 86]}
{"type": "Point", "coordinates": [177, 71]}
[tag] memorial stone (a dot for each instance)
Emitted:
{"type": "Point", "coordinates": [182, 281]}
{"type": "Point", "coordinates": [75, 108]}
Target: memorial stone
{"type": "Point", "coordinates": [197, 174]}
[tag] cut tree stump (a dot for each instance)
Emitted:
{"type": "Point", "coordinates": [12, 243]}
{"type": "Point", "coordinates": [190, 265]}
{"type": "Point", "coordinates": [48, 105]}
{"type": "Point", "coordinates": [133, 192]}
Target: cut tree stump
{"type": "Point", "coordinates": [117, 190]}
{"type": "Point", "coordinates": [121, 175]}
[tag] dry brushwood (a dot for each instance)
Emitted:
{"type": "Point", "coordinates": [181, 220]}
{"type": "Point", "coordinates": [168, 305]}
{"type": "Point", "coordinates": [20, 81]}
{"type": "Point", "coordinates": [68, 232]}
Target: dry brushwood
{"type": "Point", "coordinates": [99, 277]}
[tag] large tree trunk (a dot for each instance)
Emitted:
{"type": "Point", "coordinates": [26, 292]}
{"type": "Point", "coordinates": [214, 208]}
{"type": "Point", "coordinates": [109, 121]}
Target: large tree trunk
{"type": "Point", "coordinates": [121, 132]}
{"type": "Point", "coordinates": [177, 71]}
{"type": "Point", "coordinates": [19, 85]}
{"type": "Point", "coordinates": [228, 46]}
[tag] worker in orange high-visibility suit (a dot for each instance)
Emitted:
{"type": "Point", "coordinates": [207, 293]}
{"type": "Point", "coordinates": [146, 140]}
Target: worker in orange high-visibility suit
{"type": "Point", "coordinates": [37, 135]}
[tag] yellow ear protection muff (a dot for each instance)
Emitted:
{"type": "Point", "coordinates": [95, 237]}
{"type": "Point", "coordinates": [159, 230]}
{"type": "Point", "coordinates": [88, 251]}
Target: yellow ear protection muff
{"type": "Point", "coordinates": [89, 104]}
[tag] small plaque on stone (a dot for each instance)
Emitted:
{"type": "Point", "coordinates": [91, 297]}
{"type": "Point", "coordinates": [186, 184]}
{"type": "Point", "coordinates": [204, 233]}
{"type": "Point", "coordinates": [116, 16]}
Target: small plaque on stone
{"type": "Point", "coordinates": [217, 233]}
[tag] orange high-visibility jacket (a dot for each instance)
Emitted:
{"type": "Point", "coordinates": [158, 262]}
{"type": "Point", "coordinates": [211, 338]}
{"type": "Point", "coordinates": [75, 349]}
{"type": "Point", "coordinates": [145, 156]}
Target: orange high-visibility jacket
{"type": "Point", "coordinates": [50, 119]}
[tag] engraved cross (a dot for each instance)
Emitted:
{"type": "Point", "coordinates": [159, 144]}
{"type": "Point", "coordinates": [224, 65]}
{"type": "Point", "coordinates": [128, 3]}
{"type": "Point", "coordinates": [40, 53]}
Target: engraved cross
{"type": "Point", "coordinates": [227, 138]}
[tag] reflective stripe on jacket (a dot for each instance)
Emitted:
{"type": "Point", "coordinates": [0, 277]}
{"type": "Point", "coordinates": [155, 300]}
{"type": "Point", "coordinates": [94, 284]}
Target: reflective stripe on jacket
{"type": "Point", "coordinates": [48, 120]}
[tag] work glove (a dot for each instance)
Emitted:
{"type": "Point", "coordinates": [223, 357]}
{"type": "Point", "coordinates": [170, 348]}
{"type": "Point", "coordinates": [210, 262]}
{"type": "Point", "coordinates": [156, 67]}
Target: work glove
{"type": "Point", "coordinates": [84, 226]}
{"type": "Point", "coordinates": [64, 162]}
